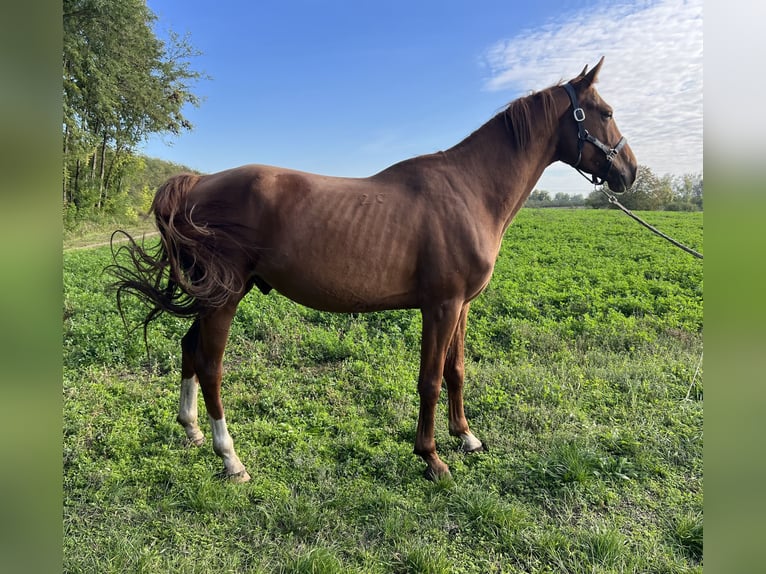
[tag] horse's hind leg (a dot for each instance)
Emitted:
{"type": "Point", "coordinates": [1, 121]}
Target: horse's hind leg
{"type": "Point", "coordinates": [187, 410]}
{"type": "Point", "coordinates": [454, 372]}
{"type": "Point", "coordinates": [208, 364]}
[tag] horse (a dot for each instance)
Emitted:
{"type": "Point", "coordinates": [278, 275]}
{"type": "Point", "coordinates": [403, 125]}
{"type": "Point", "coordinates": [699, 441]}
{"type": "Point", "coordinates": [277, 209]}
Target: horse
{"type": "Point", "coordinates": [422, 234]}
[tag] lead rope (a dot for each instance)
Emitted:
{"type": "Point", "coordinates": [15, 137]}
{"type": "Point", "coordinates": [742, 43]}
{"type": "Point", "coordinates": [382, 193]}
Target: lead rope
{"type": "Point", "coordinates": [613, 200]}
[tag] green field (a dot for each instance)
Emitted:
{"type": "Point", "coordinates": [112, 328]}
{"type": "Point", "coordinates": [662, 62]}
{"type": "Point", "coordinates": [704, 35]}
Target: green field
{"type": "Point", "coordinates": [583, 378]}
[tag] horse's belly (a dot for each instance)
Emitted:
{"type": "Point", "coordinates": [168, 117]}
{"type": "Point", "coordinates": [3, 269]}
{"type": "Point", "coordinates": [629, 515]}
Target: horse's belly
{"type": "Point", "coordinates": [349, 283]}
{"type": "Point", "coordinates": [350, 295]}
{"type": "Point", "coordinates": [344, 255]}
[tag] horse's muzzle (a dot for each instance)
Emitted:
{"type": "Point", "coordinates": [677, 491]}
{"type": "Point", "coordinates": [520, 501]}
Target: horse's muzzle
{"type": "Point", "coordinates": [623, 171]}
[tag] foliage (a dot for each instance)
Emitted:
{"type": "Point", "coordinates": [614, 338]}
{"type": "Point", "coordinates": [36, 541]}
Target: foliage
{"type": "Point", "coordinates": [652, 193]}
{"type": "Point", "coordinates": [121, 84]}
{"type": "Point", "coordinates": [541, 198]}
{"type": "Point", "coordinates": [582, 378]}
{"type": "Point", "coordinates": [128, 206]}
{"type": "Point", "coordinates": [649, 193]}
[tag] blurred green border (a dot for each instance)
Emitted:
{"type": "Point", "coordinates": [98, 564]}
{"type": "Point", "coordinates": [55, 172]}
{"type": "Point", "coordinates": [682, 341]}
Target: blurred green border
{"type": "Point", "coordinates": [735, 274]}
{"type": "Point", "coordinates": [30, 287]}
{"type": "Point", "coordinates": [735, 385]}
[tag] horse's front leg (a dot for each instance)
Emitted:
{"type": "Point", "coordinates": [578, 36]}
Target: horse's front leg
{"type": "Point", "coordinates": [214, 331]}
{"type": "Point", "coordinates": [439, 324]}
{"type": "Point", "coordinates": [454, 373]}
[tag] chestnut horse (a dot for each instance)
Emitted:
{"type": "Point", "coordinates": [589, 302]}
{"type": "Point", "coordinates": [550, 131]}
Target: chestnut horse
{"type": "Point", "coordinates": [421, 234]}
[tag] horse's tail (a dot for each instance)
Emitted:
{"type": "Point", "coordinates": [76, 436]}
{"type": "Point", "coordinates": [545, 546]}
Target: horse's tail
{"type": "Point", "coordinates": [187, 272]}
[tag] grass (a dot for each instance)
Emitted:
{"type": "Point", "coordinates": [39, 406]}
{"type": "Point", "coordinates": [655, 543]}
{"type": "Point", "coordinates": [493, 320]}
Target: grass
{"type": "Point", "coordinates": [583, 378]}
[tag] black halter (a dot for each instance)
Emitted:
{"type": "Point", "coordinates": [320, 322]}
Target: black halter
{"type": "Point", "coordinates": [583, 136]}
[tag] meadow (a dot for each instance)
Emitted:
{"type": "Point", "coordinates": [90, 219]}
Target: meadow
{"type": "Point", "coordinates": [584, 378]}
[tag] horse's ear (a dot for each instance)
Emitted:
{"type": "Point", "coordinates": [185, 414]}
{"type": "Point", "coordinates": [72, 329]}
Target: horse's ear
{"type": "Point", "coordinates": [584, 71]}
{"type": "Point", "coordinates": [592, 76]}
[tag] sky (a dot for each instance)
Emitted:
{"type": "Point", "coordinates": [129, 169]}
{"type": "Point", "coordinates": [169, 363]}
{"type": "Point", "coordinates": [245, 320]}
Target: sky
{"type": "Point", "coordinates": [348, 87]}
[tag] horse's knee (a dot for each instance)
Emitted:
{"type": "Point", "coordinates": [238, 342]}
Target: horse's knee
{"type": "Point", "coordinates": [429, 391]}
{"type": "Point", "coordinates": [454, 374]}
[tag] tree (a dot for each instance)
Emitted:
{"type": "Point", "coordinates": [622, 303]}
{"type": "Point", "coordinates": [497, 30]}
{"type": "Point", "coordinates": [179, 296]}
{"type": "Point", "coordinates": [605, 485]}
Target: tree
{"type": "Point", "coordinates": [641, 195]}
{"type": "Point", "coordinates": [539, 196]}
{"type": "Point", "coordinates": [650, 192]}
{"type": "Point", "coordinates": [697, 193]}
{"type": "Point", "coordinates": [121, 84]}
{"type": "Point", "coordinates": [597, 200]}
{"type": "Point", "coordinates": [542, 198]}
{"type": "Point", "coordinates": [577, 199]}
{"type": "Point", "coordinates": [689, 190]}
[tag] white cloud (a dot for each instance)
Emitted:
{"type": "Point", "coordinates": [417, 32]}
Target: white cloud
{"type": "Point", "coordinates": [652, 73]}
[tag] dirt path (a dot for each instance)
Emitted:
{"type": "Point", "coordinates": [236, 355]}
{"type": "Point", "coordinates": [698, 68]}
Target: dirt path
{"type": "Point", "coordinates": [102, 243]}
{"type": "Point", "coordinates": [99, 236]}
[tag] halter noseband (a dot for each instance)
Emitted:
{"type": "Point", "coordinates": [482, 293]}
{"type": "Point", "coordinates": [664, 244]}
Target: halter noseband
{"type": "Point", "coordinates": [583, 136]}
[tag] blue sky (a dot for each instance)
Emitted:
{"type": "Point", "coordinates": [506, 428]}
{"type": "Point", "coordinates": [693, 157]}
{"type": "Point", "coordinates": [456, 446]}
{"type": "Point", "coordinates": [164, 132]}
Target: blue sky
{"type": "Point", "coordinates": [348, 88]}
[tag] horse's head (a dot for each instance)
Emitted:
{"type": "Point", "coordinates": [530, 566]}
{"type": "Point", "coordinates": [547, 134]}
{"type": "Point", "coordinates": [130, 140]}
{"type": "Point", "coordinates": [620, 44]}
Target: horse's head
{"type": "Point", "coordinates": [588, 136]}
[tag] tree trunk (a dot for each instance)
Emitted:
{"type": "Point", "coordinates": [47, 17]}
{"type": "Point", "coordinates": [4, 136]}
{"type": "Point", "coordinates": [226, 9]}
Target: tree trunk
{"type": "Point", "coordinates": [76, 189]}
{"type": "Point", "coordinates": [101, 189]}
{"type": "Point", "coordinates": [64, 178]}
{"type": "Point", "coordinates": [112, 163]}
{"type": "Point", "coordinates": [93, 166]}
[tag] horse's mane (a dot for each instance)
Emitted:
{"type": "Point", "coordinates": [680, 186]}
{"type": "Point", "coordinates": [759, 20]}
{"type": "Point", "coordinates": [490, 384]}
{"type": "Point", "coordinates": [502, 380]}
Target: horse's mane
{"type": "Point", "coordinates": [520, 119]}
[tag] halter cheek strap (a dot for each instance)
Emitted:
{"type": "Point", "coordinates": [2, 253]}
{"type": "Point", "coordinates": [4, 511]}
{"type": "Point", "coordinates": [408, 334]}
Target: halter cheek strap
{"type": "Point", "coordinates": [583, 136]}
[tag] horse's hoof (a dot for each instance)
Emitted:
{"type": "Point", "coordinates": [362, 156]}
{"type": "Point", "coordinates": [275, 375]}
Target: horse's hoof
{"type": "Point", "coordinates": [471, 443]}
{"type": "Point", "coordinates": [239, 477]}
{"type": "Point", "coordinates": [195, 441]}
{"type": "Point", "coordinates": [194, 436]}
{"type": "Point", "coordinates": [436, 476]}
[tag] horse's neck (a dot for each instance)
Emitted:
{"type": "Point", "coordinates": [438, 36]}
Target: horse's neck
{"type": "Point", "coordinates": [505, 174]}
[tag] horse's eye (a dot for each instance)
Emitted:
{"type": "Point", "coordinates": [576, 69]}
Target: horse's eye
{"type": "Point", "coordinates": [606, 115]}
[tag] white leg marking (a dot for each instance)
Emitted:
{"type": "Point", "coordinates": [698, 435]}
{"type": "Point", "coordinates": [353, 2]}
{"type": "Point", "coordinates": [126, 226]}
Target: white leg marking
{"type": "Point", "coordinates": [187, 410]}
{"type": "Point", "coordinates": [223, 445]}
{"type": "Point", "coordinates": [470, 442]}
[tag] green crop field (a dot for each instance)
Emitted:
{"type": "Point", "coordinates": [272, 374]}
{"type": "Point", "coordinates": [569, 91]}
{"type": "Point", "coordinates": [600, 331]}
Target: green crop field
{"type": "Point", "coordinates": [583, 377]}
